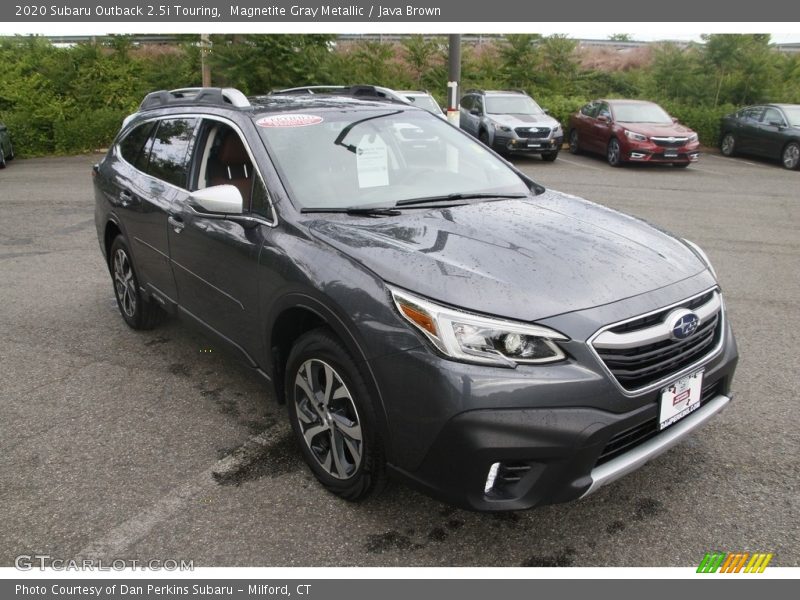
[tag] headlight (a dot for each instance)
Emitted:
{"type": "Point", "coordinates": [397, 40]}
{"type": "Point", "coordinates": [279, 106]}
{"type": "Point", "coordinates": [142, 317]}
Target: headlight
{"type": "Point", "coordinates": [693, 138]}
{"type": "Point", "coordinates": [477, 339]}
{"type": "Point", "coordinates": [636, 137]}
{"type": "Point", "coordinates": [556, 129]}
{"type": "Point", "coordinates": [504, 128]}
{"type": "Point", "coordinates": [702, 256]}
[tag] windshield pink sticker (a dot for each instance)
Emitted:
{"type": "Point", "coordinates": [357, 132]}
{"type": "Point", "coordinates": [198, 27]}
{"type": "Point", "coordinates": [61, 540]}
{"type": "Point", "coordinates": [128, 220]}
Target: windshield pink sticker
{"type": "Point", "coordinates": [289, 121]}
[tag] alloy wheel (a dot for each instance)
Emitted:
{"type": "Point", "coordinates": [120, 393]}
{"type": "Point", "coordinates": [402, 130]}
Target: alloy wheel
{"type": "Point", "coordinates": [613, 153]}
{"type": "Point", "coordinates": [328, 419]}
{"type": "Point", "coordinates": [791, 156]}
{"type": "Point", "coordinates": [573, 142]}
{"type": "Point", "coordinates": [124, 283]}
{"type": "Point", "coordinates": [728, 144]}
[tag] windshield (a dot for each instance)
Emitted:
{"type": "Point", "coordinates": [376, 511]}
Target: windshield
{"type": "Point", "coordinates": [793, 114]}
{"type": "Point", "coordinates": [369, 158]}
{"type": "Point", "coordinates": [512, 105]}
{"type": "Point", "coordinates": [641, 113]}
{"type": "Point", "coordinates": [425, 102]}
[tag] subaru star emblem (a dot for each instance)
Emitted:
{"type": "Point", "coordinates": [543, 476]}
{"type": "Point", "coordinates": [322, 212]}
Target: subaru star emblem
{"type": "Point", "coordinates": [684, 324]}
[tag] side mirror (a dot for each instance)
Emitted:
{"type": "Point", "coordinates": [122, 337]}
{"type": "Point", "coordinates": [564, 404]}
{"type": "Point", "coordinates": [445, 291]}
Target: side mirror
{"type": "Point", "coordinates": [777, 124]}
{"type": "Point", "coordinates": [475, 111]}
{"type": "Point", "coordinates": [603, 118]}
{"type": "Point", "coordinates": [675, 120]}
{"type": "Point", "coordinates": [546, 111]}
{"type": "Point", "coordinates": [219, 199]}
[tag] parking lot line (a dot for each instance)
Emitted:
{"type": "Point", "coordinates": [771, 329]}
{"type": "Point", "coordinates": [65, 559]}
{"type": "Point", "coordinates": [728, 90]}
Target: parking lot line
{"type": "Point", "coordinates": [126, 534]}
{"type": "Point", "coordinates": [572, 162]}
{"type": "Point", "coordinates": [726, 159]}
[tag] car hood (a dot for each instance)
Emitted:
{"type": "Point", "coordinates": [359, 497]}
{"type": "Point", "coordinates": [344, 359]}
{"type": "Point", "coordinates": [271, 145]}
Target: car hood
{"type": "Point", "coordinates": [654, 129]}
{"type": "Point", "coordinates": [522, 259]}
{"type": "Point", "coordinates": [524, 120]}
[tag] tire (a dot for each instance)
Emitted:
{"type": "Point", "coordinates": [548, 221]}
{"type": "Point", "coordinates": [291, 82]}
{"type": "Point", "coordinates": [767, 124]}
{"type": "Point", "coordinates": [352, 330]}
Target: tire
{"type": "Point", "coordinates": [574, 147]}
{"type": "Point", "coordinates": [614, 153]}
{"type": "Point", "coordinates": [2, 159]}
{"type": "Point", "coordinates": [549, 156]}
{"type": "Point", "coordinates": [330, 407]}
{"type": "Point", "coordinates": [790, 157]}
{"type": "Point", "coordinates": [681, 165]}
{"type": "Point", "coordinates": [136, 310]}
{"type": "Point", "coordinates": [728, 145]}
{"type": "Point", "coordinates": [483, 136]}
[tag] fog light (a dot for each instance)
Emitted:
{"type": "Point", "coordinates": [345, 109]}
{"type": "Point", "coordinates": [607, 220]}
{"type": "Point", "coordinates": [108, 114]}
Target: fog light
{"type": "Point", "coordinates": [490, 479]}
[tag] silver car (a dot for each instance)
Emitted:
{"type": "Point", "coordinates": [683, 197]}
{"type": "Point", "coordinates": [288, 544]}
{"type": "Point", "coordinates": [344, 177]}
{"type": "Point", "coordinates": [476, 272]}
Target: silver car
{"type": "Point", "coordinates": [511, 122]}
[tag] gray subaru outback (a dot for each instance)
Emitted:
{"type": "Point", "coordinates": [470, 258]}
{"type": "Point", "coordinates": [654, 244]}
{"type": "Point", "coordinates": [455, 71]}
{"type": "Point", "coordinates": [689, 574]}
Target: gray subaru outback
{"type": "Point", "coordinates": [422, 308]}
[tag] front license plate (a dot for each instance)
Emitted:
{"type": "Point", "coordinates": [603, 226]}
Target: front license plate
{"type": "Point", "coordinates": [533, 145]}
{"type": "Point", "coordinates": [680, 399]}
{"type": "Point", "coordinates": [671, 154]}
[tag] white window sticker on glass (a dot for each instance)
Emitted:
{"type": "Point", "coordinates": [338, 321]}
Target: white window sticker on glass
{"type": "Point", "coordinates": [372, 162]}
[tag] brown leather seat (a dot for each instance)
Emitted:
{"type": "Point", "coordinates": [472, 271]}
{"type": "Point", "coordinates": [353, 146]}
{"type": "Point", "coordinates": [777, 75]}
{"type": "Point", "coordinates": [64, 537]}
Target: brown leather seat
{"type": "Point", "coordinates": [232, 166]}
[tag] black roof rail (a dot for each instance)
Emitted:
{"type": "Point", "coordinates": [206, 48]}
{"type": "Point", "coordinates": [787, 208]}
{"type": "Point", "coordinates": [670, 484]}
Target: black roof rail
{"type": "Point", "coordinates": [195, 95]}
{"type": "Point", "coordinates": [371, 92]}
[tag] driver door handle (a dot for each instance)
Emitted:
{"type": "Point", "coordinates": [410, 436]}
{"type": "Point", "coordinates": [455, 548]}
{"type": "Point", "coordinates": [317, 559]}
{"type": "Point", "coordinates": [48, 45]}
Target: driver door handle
{"type": "Point", "coordinates": [176, 223]}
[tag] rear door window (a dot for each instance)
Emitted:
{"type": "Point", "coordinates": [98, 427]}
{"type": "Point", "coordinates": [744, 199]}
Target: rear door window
{"type": "Point", "coordinates": [132, 146]}
{"type": "Point", "coordinates": [169, 154]}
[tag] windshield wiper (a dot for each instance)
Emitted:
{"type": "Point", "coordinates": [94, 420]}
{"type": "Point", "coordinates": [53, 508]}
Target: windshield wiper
{"type": "Point", "coordinates": [369, 211]}
{"type": "Point", "coordinates": [449, 197]}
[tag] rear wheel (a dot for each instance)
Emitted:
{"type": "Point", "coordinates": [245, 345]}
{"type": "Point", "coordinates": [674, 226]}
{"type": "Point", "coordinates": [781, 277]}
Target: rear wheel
{"type": "Point", "coordinates": [138, 312]}
{"type": "Point", "coordinates": [728, 145]}
{"type": "Point", "coordinates": [330, 409]}
{"type": "Point", "coordinates": [791, 155]}
{"type": "Point", "coordinates": [614, 153]}
{"type": "Point", "coordinates": [574, 147]}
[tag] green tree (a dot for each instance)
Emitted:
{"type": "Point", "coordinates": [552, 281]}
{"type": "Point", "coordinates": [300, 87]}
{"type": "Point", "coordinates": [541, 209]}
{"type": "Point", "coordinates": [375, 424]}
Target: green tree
{"type": "Point", "coordinates": [519, 60]}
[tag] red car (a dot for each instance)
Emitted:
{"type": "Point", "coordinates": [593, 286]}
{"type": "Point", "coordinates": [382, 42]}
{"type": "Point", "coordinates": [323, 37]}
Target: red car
{"type": "Point", "coordinates": [632, 131]}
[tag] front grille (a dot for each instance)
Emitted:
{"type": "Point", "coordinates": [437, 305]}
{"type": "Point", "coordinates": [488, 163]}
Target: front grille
{"type": "Point", "coordinates": [533, 132]}
{"type": "Point", "coordinates": [653, 354]}
{"type": "Point", "coordinates": [658, 317]}
{"type": "Point", "coordinates": [669, 143]}
{"type": "Point", "coordinates": [638, 434]}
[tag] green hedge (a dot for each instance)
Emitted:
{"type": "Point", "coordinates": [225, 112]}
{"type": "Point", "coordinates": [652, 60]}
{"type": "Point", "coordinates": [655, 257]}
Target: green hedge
{"type": "Point", "coordinates": [88, 131]}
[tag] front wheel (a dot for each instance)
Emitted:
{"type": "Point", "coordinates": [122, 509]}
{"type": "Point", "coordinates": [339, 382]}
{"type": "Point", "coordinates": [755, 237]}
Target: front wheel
{"type": "Point", "coordinates": [728, 145]}
{"type": "Point", "coordinates": [614, 154]}
{"type": "Point", "coordinates": [331, 413]}
{"type": "Point", "coordinates": [2, 159]}
{"type": "Point", "coordinates": [483, 136]}
{"type": "Point", "coordinates": [791, 155]}
{"type": "Point", "coordinates": [138, 312]}
{"type": "Point", "coordinates": [574, 146]}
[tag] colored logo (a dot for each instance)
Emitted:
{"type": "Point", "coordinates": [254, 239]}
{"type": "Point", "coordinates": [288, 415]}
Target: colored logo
{"type": "Point", "coordinates": [684, 324]}
{"type": "Point", "coordinates": [734, 562]}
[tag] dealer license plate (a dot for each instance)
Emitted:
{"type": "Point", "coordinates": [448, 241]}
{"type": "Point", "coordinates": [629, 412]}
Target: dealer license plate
{"type": "Point", "coordinates": [671, 154]}
{"type": "Point", "coordinates": [680, 399]}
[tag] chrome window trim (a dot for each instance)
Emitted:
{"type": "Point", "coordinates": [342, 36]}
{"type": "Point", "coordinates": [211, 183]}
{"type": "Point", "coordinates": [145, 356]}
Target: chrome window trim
{"type": "Point", "coordinates": [713, 353]}
{"type": "Point", "coordinates": [250, 217]}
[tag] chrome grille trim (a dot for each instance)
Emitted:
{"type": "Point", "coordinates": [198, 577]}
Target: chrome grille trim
{"type": "Point", "coordinates": [721, 325]}
{"type": "Point", "coordinates": [649, 335]}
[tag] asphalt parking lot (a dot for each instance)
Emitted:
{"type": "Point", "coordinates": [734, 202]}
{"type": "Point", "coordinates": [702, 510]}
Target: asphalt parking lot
{"type": "Point", "coordinates": [159, 445]}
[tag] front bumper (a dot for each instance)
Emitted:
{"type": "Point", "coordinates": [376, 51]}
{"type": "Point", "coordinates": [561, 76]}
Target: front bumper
{"type": "Point", "coordinates": [651, 152]}
{"type": "Point", "coordinates": [549, 436]}
{"type": "Point", "coordinates": [509, 142]}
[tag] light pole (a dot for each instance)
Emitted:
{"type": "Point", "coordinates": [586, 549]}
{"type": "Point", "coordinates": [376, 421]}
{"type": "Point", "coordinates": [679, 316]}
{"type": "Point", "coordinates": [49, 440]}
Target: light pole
{"type": "Point", "coordinates": [454, 79]}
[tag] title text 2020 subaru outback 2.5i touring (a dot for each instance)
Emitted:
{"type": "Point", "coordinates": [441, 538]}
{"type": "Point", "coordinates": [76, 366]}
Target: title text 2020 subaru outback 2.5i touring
{"type": "Point", "coordinates": [421, 307]}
